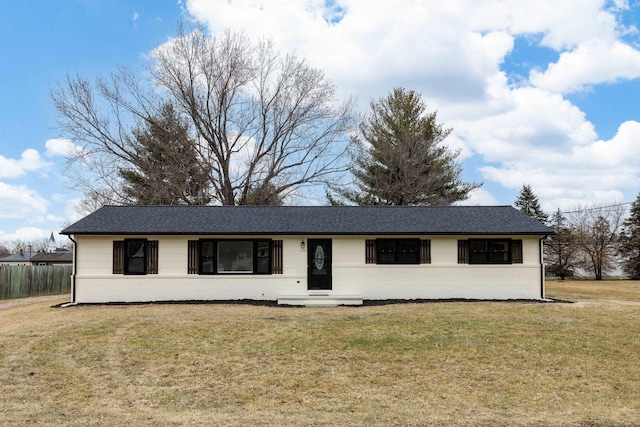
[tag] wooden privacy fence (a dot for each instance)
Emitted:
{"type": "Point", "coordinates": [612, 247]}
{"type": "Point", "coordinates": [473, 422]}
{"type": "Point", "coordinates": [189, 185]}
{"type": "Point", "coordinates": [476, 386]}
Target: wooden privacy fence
{"type": "Point", "coordinates": [29, 280]}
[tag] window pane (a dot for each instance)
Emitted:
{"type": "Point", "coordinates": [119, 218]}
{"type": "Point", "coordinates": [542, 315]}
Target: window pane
{"type": "Point", "coordinates": [206, 256]}
{"type": "Point", "coordinates": [386, 251]}
{"type": "Point", "coordinates": [207, 249]}
{"type": "Point", "coordinates": [478, 252]}
{"type": "Point", "coordinates": [498, 251]}
{"type": "Point", "coordinates": [264, 257]}
{"type": "Point", "coordinates": [135, 256]}
{"type": "Point", "coordinates": [407, 252]}
{"type": "Point", "coordinates": [235, 256]}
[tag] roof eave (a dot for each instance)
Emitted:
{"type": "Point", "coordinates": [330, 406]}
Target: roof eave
{"type": "Point", "coordinates": [315, 233]}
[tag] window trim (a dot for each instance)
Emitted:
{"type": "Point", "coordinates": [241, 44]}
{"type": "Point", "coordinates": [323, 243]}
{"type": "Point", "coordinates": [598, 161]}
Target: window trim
{"type": "Point", "coordinates": [254, 264]}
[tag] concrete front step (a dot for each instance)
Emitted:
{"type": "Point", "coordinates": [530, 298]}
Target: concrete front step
{"type": "Point", "coordinates": [320, 299]}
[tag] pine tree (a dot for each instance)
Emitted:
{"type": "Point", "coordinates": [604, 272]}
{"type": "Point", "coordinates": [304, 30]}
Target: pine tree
{"type": "Point", "coordinates": [401, 158]}
{"type": "Point", "coordinates": [630, 241]}
{"type": "Point", "coordinates": [528, 203]}
{"type": "Point", "coordinates": [168, 169]}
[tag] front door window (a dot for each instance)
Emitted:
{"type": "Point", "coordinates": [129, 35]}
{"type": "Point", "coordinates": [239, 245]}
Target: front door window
{"type": "Point", "coordinates": [319, 257]}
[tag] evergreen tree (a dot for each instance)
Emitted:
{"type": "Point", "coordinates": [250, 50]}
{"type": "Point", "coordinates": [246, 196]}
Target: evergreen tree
{"type": "Point", "coordinates": [630, 242]}
{"type": "Point", "coordinates": [401, 158]}
{"type": "Point", "coordinates": [528, 203]}
{"type": "Point", "coordinates": [168, 168]}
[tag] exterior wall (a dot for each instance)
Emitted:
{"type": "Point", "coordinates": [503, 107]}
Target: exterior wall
{"type": "Point", "coordinates": [95, 282]}
{"type": "Point", "coordinates": [443, 278]}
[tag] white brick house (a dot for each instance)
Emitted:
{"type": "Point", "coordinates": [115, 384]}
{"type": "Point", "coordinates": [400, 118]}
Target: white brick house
{"type": "Point", "coordinates": [306, 255]}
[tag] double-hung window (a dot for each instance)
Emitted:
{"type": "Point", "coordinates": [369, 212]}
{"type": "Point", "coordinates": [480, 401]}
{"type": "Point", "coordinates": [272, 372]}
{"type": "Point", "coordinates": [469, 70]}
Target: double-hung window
{"type": "Point", "coordinates": [135, 256]}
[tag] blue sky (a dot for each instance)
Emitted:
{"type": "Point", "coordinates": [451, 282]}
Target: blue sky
{"type": "Point", "coordinates": [538, 91]}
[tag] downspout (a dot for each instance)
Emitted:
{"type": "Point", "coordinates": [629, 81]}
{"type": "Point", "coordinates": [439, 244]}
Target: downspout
{"type": "Point", "coordinates": [542, 295]}
{"type": "Point", "coordinates": [75, 270]}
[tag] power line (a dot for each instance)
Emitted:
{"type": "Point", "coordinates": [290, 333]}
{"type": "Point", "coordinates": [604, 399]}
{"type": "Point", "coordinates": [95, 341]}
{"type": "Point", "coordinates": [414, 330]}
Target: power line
{"type": "Point", "coordinates": [595, 208]}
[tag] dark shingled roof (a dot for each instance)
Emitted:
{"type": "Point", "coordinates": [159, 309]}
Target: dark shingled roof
{"type": "Point", "coordinates": [60, 257]}
{"type": "Point", "coordinates": [23, 257]}
{"type": "Point", "coordinates": [307, 220]}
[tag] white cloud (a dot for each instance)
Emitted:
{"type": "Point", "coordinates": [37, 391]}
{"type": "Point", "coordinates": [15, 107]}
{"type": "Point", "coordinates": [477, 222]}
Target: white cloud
{"type": "Point", "coordinates": [27, 234]}
{"type": "Point", "coordinates": [590, 63]}
{"type": "Point", "coordinates": [454, 53]}
{"type": "Point", "coordinates": [534, 124]}
{"type": "Point", "coordinates": [63, 147]}
{"type": "Point", "coordinates": [29, 161]}
{"type": "Point", "coordinates": [20, 202]}
{"type": "Point", "coordinates": [480, 197]}
{"type": "Point", "coordinates": [452, 46]}
{"type": "Point", "coordinates": [567, 176]}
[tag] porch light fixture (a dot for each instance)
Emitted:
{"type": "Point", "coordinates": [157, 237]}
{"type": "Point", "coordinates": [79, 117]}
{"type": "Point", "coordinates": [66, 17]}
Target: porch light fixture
{"type": "Point", "coordinates": [302, 245]}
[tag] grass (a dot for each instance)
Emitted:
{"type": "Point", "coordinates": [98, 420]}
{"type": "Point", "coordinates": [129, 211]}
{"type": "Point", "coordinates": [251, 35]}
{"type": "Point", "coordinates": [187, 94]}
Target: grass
{"type": "Point", "coordinates": [432, 364]}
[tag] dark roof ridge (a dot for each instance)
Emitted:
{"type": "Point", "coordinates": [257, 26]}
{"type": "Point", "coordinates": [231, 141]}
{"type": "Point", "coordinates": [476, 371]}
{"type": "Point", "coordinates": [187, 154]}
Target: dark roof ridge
{"type": "Point", "coordinates": [308, 220]}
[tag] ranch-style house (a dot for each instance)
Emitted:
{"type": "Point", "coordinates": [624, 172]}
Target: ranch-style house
{"type": "Point", "coordinates": [306, 255]}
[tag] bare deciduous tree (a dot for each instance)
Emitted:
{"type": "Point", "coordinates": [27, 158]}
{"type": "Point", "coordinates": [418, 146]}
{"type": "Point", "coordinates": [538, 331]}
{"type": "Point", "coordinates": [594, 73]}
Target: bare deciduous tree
{"type": "Point", "coordinates": [597, 232]}
{"type": "Point", "coordinates": [561, 250]}
{"type": "Point", "coordinates": [262, 122]}
{"type": "Point", "coordinates": [93, 200]}
{"type": "Point", "coordinates": [26, 246]}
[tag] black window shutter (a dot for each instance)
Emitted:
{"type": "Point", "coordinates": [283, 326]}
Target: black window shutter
{"type": "Point", "coordinates": [152, 256]}
{"type": "Point", "coordinates": [370, 252]}
{"type": "Point", "coordinates": [463, 252]}
{"type": "Point", "coordinates": [193, 257]}
{"type": "Point", "coordinates": [516, 252]}
{"type": "Point", "coordinates": [276, 257]}
{"type": "Point", "coordinates": [425, 251]}
{"type": "Point", "coordinates": [118, 257]}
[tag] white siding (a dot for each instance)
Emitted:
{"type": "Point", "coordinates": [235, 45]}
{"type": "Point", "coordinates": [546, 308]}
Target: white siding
{"type": "Point", "coordinates": [443, 278]}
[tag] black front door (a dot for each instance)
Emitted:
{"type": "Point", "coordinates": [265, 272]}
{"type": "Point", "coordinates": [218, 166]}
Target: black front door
{"type": "Point", "coordinates": [319, 264]}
